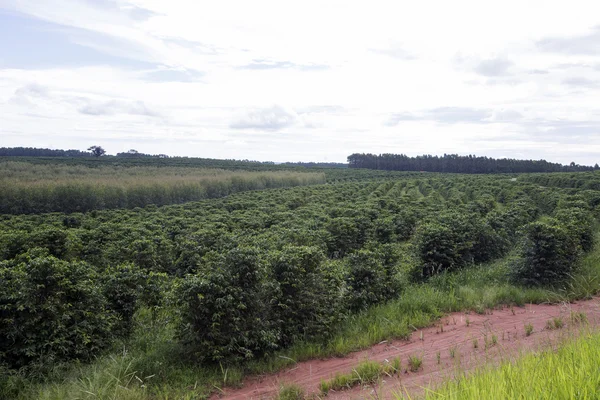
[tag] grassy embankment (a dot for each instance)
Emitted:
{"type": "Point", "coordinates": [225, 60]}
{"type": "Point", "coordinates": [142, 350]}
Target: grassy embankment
{"type": "Point", "coordinates": [568, 372]}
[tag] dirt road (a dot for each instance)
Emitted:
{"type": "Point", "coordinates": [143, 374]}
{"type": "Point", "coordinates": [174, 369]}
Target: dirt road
{"type": "Point", "coordinates": [458, 342]}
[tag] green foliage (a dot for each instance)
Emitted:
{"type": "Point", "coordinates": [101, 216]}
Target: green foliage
{"type": "Point", "coordinates": [528, 329]}
{"type": "Point", "coordinates": [225, 310]}
{"type": "Point", "coordinates": [371, 279]}
{"type": "Point", "coordinates": [97, 151]}
{"type": "Point", "coordinates": [549, 254]}
{"type": "Point", "coordinates": [469, 164]}
{"type": "Point", "coordinates": [158, 361]}
{"type": "Point", "coordinates": [122, 287]}
{"type": "Point", "coordinates": [415, 363]}
{"type": "Point", "coordinates": [453, 240]}
{"type": "Point", "coordinates": [307, 271]}
{"type": "Point", "coordinates": [50, 238]}
{"type": "Point", "coordinates": [307, 297]}
{"type": "Point", "coordinates": [580, 222]}
{"type": "Point", "coordinates": [344, 236]}
{"type": "Point", "coordinates": [50, 311]}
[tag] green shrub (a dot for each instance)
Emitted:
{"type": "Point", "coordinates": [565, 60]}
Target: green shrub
{"type": "Point", "coordinates": [580, 222]}
{"type": "Point", "coordinates": [225, 309]}
{"type": "Point", "coordinates": [370, 280]}
{"type": "Point", "coordinates": [487, 243]}
{"type": "Point", "coordinates": [51, 311]}
{"type": "Point", "coordinates": [12, 243]}
{"type": "Point", "coordinates": [122, 287]}
{"type": "Point", "coordinates": [446, 243]}
{"type": "Point", "coordinates": [549, 254]}
{"type": "Point", "coordinates": [405, 221]}
{"type": "Point", "coordinates": [307, 296]}
{"type": "Point", "coordinates": [53, 239]}
{"type": "Point", "coordinates": [344, 236]}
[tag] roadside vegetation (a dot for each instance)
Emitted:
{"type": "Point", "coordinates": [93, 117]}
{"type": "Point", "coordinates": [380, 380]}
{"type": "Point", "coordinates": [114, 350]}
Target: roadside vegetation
{"type": "Point", "coordinates": [568, 372]}
{"type": "Point", "coordinates": [365, 373]}
{"type": "Point", "coordinates": [184, 300]}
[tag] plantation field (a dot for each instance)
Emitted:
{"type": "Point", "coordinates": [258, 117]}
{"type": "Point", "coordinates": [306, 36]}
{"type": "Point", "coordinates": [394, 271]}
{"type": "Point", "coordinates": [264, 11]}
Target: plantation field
{"type": "Point", "coordinates": [27, 188]}
{"type": "Point", "coordinates": [39, 185]}
{"type": "Point", "coordinates": [182, 300]}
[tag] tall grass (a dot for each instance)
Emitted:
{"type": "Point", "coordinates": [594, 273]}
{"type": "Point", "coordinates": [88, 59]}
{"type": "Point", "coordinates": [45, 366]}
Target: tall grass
{"type": "Point", "coordinates": [570, 372]}
{"type": "Point", "coordinates": [29, 188]}
{"type": "Point", "coordinates": [148, 366]}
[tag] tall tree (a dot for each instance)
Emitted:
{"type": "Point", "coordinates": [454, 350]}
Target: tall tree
{"type": "Point", "coordinates": [97, 151]}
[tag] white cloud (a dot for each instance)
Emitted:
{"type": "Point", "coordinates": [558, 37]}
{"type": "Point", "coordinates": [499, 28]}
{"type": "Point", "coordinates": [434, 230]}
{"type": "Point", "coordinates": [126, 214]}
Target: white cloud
{"type": "Point", "coordinates": [113, 107]}
{"type": "Point", "coordinates": [344, 77]}
{"type": "Point", "coordinates": [270, 119]}
{"type": "Point", "coordinates": [587, 43]}
{"type": "Point", "coordinates": [494, 67]}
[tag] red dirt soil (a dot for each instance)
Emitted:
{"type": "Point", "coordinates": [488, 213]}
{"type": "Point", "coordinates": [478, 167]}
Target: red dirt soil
{"type": "Point", "coordinates": [455, 333]}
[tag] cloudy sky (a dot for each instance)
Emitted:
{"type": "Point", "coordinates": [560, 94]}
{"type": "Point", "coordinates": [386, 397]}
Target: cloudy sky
{"type": "Point", "coordinates": [303, 80]}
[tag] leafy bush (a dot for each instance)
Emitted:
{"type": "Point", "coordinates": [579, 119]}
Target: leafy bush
{"type": "Point", "coordinates": [50, 311]}
{"type": "Point", "coordinates": [371, 279]}
{"type": "Point", "coordinates": [405, 221]}
{"type": "Point", "coordinates": [549, 253]}
{"type": "Point", "coordinates": [12, 244]}
{"type": "Point", "coordinates": [446, 243]}
{"type": "Point", "coordinates": [53, 239]}
{"type": "Point", "coordinates": [307, 295]}
{"type": "Point", "coordinates": [488, 244]}
{"type": "Point", "coordinates": [344, 236]}
{"type": "Point", "coordinates": [122, 287]}
{"type": "Point", "coordinates": [224, 309]}
{"type": "Point", "coordinates": [580, 222]}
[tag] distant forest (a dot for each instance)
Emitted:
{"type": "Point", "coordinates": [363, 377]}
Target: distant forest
{"type": "Point", "coordinates": [134, 154]}
{"type": "Point", "coordinates": [36, 152]}
{"type": "Point", "coordinates": [386, 162]}
{"type": "Point", "coordinates": [460, 164]}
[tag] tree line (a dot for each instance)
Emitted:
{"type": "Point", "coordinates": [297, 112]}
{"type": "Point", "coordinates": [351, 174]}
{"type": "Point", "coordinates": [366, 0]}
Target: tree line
{"type": "Point", "coordinates": [39, 152]}
{"type": "Point", "coordinates": [459, 164]}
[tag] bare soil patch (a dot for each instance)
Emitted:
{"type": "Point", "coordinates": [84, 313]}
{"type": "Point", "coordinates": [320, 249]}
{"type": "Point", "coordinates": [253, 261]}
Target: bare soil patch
{"type": "Point", "coordinates": [457, 343]}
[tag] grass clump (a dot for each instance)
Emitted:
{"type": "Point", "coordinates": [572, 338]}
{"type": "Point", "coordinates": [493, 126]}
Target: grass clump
{"type": "Point", "coordinates": [555, 323]}
{"type": "Point", "coordinates": [578, 317]}
{"type": "Point", "coordinates": [414, 363]}
{"type": "Point", "coordinates": [528, 329]}
{"type": "Point", "coordinates": [490, 342]}
{"type": "Point", "coordinates": [366, 373]}
{"type": "Point", "coordinates": [453, 351]}
{"type": "Point", "coordinates": [291, 391]}
{"type": "Point", "coordinates": [393, 367]}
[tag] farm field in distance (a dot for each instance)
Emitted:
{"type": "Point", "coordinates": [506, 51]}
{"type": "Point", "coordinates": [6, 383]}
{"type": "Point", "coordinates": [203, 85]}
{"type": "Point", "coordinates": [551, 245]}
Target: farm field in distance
{"type": "Point", "coordinates": [163, 281]}
{"type": "Point", "coordinates": [29, 188]}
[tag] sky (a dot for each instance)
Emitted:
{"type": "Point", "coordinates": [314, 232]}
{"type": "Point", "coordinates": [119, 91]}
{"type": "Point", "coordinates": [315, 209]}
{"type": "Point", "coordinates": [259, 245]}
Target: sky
{"type": "Point", "coordinates": [303, 80]}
